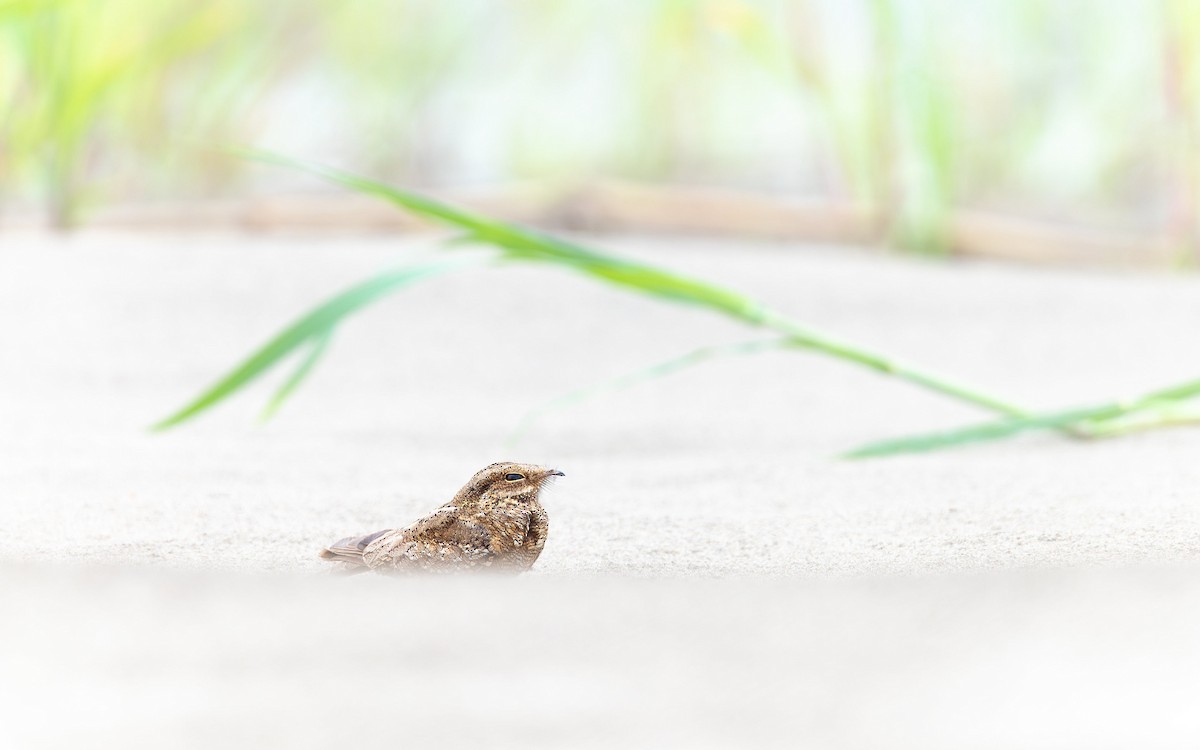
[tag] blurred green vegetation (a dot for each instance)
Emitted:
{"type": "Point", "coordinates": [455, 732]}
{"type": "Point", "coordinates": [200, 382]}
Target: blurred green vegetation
{"type": "Point", "coordinates": [911, 110]}
{"type": "Point", "coordinates": [312, 332]}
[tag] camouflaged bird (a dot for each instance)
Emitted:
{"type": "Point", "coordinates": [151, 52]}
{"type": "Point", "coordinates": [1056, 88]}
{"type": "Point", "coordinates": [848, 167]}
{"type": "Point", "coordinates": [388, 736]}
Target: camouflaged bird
{"type": "Point", "coordinates": [494, 522]}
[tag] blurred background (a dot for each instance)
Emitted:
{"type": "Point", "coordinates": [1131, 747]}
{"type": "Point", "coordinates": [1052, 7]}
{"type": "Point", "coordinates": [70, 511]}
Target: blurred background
{"type": "Point", "coordinates": [926, 125]}
{"type": "Point", "coordinates": [1004, 192]}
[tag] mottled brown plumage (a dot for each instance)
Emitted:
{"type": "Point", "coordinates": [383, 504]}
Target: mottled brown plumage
{"type": "Point", "coordinates": [494, 522]}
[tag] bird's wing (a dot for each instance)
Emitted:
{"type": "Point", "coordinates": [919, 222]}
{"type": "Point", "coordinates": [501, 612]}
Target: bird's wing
{"type": "Point", "coordinates": [442, 540]}
{"type": "Point", "coordinates": [509, 527]}
{"type": "Point", "coordinates": [448, 525]}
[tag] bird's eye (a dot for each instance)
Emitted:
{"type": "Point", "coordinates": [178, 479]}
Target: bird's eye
{"type": "Point", "coordinates": [514, 477]}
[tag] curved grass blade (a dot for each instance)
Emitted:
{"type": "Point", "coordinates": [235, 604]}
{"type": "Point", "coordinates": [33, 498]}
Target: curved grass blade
{"type": "Point", "coordinates": [315, 352]}
{"type": "Point", "coordinates": [1164, 415]}
{"type": "Point", "coordinates": [974, 434]}
{"type": "Point", "coordinates": [314, 324]}
{"type": "Point", "coordinates": [520, 243]}
{"type": "Point", "coordinates": [1081, 417]}
{"type": "Point", "coordinates": [630, 379]}
{"type": "Point", "coordinates": [528, 244]}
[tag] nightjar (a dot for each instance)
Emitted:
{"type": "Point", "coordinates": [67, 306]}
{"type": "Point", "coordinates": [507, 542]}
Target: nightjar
{"type": "Point", "coordinates": [494, 522]}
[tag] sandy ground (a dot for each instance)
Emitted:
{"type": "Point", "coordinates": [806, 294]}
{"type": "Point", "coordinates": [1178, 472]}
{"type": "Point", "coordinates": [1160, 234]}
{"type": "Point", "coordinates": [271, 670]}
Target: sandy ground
{"type": "Point", "coordinates": [714, 576]}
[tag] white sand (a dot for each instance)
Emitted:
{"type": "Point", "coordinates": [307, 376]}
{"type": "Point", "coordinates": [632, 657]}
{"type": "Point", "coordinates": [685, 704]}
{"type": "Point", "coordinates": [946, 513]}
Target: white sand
{"type": "Point", "coordinates": [1033, 593]}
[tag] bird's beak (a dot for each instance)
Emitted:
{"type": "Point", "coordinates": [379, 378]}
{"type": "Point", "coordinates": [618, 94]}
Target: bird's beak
{"type": "Point", "coordinates": [555, 473]}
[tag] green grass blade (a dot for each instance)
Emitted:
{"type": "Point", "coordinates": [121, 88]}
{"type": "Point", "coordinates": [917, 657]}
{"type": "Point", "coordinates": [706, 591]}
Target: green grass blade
{"type": "Point", "coordinates": [314, 324]}
{"type": "Point", "coordinates": [319, 344]}
{"type": "Point", "coordinates": [975, 433]}
{"type": "Point", "coordinates": [1166, 415]}
{"type": "Point", "coordinates": [523, 244]}
{"type": "Point", "coordinates": [526, 244]}
{"type": "Point", "coordinates": [1098, 415]}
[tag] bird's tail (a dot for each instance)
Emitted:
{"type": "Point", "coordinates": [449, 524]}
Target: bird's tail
{"type": "Point", "coordinates": [341, 554]}
{"type": "Point", "coordinates": [350, 551]}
